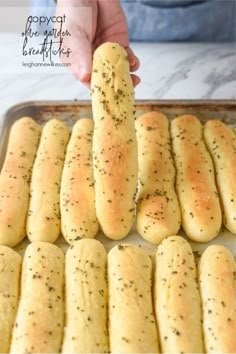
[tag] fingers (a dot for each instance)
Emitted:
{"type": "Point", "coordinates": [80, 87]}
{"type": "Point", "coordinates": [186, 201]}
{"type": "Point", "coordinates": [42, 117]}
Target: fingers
{"type": "Point", "coordinates": [82, 64]}
{"type": "Point", "coordinates": [136, 80]}
{"type": "Point", "coordinates": [133, 60]}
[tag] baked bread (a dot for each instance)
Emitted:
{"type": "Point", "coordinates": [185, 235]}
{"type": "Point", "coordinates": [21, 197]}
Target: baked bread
{"type": "Point", "coordinates": [196, 189]}
{"type": "Point", "coordinates": [114, 140]}
{"type": "Point", "coordinates": [39, 322]}
{"type": "Point", "coordinates": [221, 142]}
{"type": "Point", "coordinates": [217, 277]}
{"type": "Point", "coordinates": [78, 214]}
{"type": "Point", "coordinates": [14, 180]}
{"type": "Point", "coordinates": [43, 223]}
{"type": "Point", "coordinates": [158, 212]}
{"type": "Point", "coordinates": [177, 298]}
{"type": "Point", "coordinates": [86, 298]}
{"type": "Point", "coordinates": [132, 326]}
{"type": "Point", "coordinates": [10, 268]}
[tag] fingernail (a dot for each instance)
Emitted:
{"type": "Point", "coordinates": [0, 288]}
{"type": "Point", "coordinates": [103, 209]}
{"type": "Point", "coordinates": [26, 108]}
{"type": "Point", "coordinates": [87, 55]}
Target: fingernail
{"type": "Point", "coordinates": [137, 82]}
{"type": "Point", "coordinates": [133, 61]}
{"type": "Point", "coordinates": [84, 75]}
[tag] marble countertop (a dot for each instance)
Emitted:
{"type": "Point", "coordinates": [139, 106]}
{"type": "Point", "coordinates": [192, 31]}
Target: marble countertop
{"type": "Point", "coordinates": [168, 71]}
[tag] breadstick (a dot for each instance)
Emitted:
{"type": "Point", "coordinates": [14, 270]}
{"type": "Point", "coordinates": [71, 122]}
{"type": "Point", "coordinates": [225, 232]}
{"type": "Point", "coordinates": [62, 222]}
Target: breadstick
{"type": "Point", "coordinates": [114, 140]}
{"type": "Point", "coordinates": [177, 298]}
{"type": "Point", "coordinates": [10, 268]}
{"type": "Point", "coordinates": [217, 278]}
{"type": "Point", "coordinates": [43, 222]}
{"type": "Point", "coordinates": [86, 298]}
{"type": "Point", "coordinates": [39, 322]}
{"type": "Point", "coordinates": [196, 189]}
{"type": "Point", "coordinates": [221, 142]}
{"type": "Point", "coordinates": [158, 211]}
{"type": "Point", "coordinates": [78, 214]}
{"type": "Point", "coordinates": [132, 326]}
{"type": "Point", "coordinates": [14, 180]}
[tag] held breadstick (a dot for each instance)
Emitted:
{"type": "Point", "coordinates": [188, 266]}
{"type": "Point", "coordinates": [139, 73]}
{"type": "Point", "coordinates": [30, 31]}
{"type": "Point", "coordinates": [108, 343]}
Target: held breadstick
{"type": "Point", "coordinates": [177, 298]}
{"type": "Point", "coordinates": [217, 277]}
{"type": "Point", "coordinates": [196, 189]}
{"type": "Point", "coordinates": [10, 268]}
{"type": "Point", "coordinates": [15, 178]}
{"type": "Point", "coordinates": [221, 142]}
{"type": "Point", "coordinates": [158, 211]}
{"type": "Point", "coordinates": [114, 142]}
{"type": "Point", "coordinates": [39, 322]}
{"type": "Point", "coordinates": [86, 299]}
{"type": "Point", "coordinates": [132, 326]}
{"type": "Point", "coordinates": [78, 214]}
{"type": "Point", "coordinates": [43, 222]}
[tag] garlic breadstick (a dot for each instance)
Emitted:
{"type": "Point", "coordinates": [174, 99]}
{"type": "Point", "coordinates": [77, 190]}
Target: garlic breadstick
{"type": "Point", "coordinates": [15, 178]}
{"type": "Point", "coordinates": [114, 140]}
{"type": "Point", "coordinates": [10, 269]}
{"type": "Point", "coordinates": [221, 142]}
{"type": "Point", "coordinates": [158, 211]}
{"type": "Point", "coordinates": [78, 214]}
{"type": "Point", "coordinates": [86, 299]}
{"type": "Point", "coordinates": [132, 326]}
{"type": "Point", "coordinates": [217, 277]}
{"type": "Point", "coordinates": [177, 298]}
{"type": "Point", "coordinates": [39, 322]}
{"type": "Point", "coordinates": [195, 184]}
{"type": "Point", "coordinates": [44, 222]}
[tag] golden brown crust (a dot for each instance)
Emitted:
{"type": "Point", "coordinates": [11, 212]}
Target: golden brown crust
{"type": "Point", "coordinates": [43, 223]}
{"type": "Point", "coordinates": [78, 214]}
{"type": "Point", "coordinates": [221, 142]}
{"type": "Point", "coordinates": [196, 189]}
{"type": "Point", "coordinates": [158, 211]}
{"type": "Point", "coordinates": [132, 325]}
{"type": "Point", "coordinates": [14, 180]}
{"type": "Point", "coordinates": [177, 298]}
{"type": "Point", "coordinates": [217, 277]}
{"type": "Point", "coordinates": [39, 322]}
{"type": "Point", "coordinates": [114, 141]}
{"type": "Point", "coordinates": [86, 299]}
{"type": "Point", "coordinates": [10, 268]}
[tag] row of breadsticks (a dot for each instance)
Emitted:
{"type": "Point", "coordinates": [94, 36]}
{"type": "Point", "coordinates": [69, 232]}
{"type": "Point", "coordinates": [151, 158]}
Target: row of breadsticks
{"type": "Point", "coordinates": [47, 181]}
{"type": "Point", "coordinates": [35, 204]}
{"type": "Point", "coordinates": [100, 304]}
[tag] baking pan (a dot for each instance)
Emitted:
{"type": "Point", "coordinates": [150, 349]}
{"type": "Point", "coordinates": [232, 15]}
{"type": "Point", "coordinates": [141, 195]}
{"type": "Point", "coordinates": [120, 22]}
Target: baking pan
{"type": "Point", "coordinates": [71, 111]}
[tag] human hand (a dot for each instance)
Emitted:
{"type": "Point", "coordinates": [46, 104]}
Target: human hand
{"type": "Point", "coordinates": [91, 23]}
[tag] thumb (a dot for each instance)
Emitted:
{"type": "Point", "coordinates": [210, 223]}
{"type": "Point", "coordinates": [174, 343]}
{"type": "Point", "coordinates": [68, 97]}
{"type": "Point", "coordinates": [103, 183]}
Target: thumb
{"type": "Point", "coordinates": [79, 25]}
{"type": "Point", "coordinates": [81, 57]}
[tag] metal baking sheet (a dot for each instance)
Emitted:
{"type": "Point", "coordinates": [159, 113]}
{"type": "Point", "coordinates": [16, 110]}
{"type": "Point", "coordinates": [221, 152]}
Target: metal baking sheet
{"type": "Point", "coordinates": [71, 111]}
